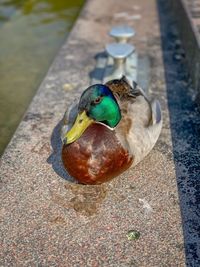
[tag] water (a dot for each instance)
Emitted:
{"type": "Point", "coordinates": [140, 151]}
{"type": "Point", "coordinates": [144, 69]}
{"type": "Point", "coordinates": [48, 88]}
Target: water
{"type": "Point", "coordinates": [31, 32]}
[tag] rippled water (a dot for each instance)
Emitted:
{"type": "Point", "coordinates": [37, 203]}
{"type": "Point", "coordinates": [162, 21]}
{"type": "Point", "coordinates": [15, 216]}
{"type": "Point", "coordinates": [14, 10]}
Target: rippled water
{"type": "Point", "coordinates": [31, 32]}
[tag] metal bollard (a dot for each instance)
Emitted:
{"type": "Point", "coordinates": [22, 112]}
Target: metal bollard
{"type": "Point", "coordinates": [119, 52]}
{"type": "Point", "coordinates": [122, 33]}
{"type": "Point", "coordinates": [123, 54]}
{"type": "Point", "coordinates": [122, 58]}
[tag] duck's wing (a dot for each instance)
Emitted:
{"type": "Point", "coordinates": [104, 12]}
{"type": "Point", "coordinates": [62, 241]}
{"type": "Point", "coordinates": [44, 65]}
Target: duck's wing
{"type": "Point", "coordinates": [134, 94]}
{"type": "Point", "coordinates": [128, 95]}
{"type": "Point", "coordinates": [123, 90]}
{"type": "Point", "coordinates": [155, 114]}
{"type": "Point", "coordinates": [141, 121]}
{"type": "Point", "coordinates": [69, 118]}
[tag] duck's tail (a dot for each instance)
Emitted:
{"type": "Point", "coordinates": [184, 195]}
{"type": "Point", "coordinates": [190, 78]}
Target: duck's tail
{"type": "Point", "coordinates": [156, 112]}
{"type": "Point", "coordinates": [156, 126]}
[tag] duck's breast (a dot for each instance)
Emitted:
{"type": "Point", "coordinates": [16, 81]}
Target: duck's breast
{"type": "Point", "coordinates": [97, 156]}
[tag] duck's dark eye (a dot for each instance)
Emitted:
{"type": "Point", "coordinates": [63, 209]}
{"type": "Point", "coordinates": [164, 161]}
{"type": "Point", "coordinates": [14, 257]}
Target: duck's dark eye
{"type": "Point", "coordinates": [98, 100]}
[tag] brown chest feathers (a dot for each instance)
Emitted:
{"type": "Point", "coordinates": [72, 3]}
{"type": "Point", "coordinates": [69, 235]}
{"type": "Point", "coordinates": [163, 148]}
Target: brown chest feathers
{"type": "Point", "coordinates": [96, 156]}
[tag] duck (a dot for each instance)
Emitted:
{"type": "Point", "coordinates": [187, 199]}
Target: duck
{"type": "Point", "coordinates": [111, 128]}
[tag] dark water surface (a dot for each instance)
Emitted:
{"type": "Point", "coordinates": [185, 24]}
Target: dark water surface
{"type": "Point", "coordinates": [31, 33]}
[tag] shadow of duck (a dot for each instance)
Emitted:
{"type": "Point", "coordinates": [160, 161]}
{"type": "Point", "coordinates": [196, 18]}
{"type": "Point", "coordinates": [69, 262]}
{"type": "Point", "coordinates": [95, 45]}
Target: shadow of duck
{"type": "Point", "coordinates": [86, 199]}
{"type": "Point", "coordinates": [55, 158]}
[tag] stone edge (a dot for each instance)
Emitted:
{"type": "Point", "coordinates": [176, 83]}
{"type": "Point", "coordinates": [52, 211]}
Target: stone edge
{"type": "Point", "coordinates": [190, 39]}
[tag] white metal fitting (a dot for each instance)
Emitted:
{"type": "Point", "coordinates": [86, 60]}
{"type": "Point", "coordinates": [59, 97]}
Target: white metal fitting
{"type": "Point", "coordinates": [119, 52]}
{"type": "Point", "coordinates": [122, 33]}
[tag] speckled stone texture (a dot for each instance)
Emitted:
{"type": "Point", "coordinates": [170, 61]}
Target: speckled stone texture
{"type": "Point", "coordinates": [185, 128]}
{"type": "Point", "coordinates": [49, 220]}
{"type": "Point", "coordinates": [187, 14]}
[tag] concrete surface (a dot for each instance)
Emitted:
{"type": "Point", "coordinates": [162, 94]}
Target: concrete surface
{"type": "Point", "coordinates": [185, 127]}
{"type": "Point", "coordinates": [187, 13]}
{"type": "Point", "coordinates": [49, 220]}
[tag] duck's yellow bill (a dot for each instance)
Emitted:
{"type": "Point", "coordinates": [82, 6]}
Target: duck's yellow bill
{"type": "Point", "coordinates": [81, 123]}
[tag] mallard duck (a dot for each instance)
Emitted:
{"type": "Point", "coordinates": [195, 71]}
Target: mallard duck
{"type": "Point", "coordinates": [113, 127]}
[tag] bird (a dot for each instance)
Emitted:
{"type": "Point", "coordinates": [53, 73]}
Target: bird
{"type": "Point", "coordinates": [111, 128]}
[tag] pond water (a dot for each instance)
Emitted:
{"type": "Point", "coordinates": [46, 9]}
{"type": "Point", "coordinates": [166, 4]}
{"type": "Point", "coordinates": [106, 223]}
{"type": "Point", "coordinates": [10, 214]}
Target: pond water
{"type": "Point", "coordinates": [31, 33]}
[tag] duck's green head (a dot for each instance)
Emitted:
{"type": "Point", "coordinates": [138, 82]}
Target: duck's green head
{"type": "Point", "coordinates": [97, 104]}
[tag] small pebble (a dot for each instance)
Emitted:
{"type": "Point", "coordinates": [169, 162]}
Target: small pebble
{"type": "Point", "coordinates": [177, 57]}
{"type": "Point", "coordinates": [68, 86]}
{"type": "Point", "coordinates": [133, 235]}
{"type": "Point", "coordinates": [132, 187]}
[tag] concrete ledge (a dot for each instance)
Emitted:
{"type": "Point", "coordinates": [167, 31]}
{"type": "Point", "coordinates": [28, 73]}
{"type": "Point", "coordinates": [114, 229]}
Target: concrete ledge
{"type": "Point", "coordinates": [190, 36]}
{"type": "Point", "coordinates": [46, 218]}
